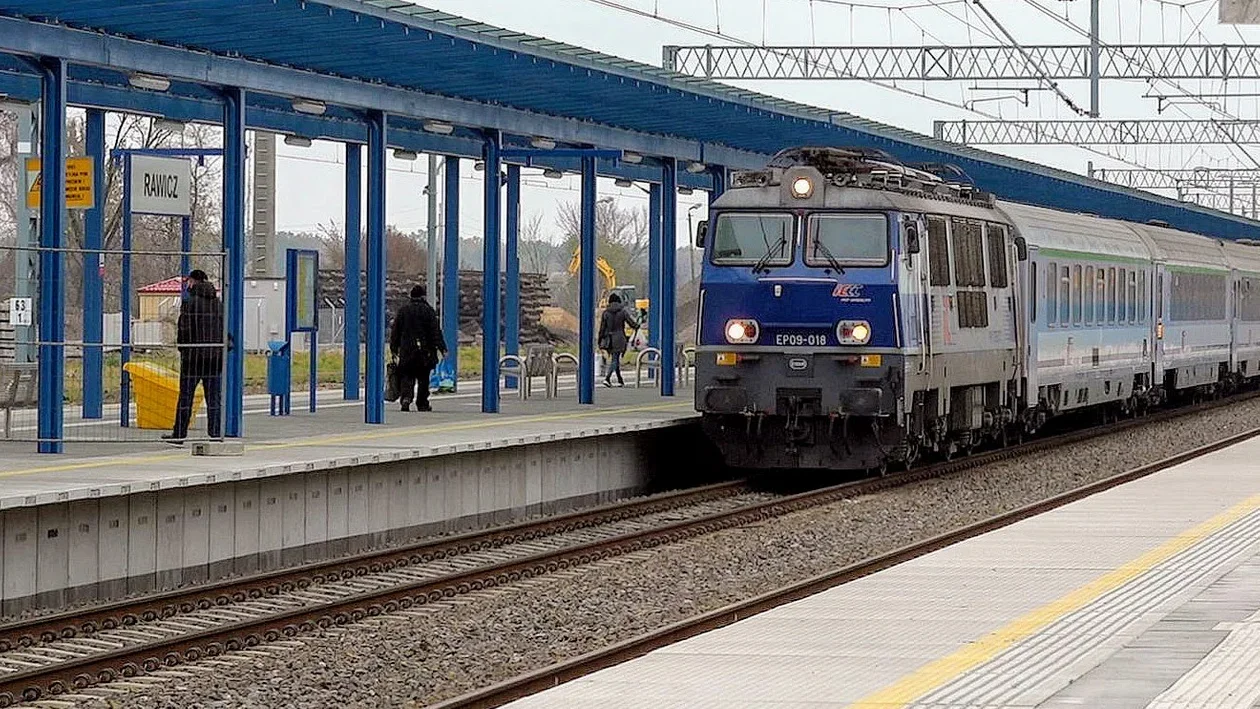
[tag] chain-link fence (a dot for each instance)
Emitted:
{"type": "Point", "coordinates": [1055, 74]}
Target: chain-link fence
{"type": "Point", "coordinates": [145, 365]}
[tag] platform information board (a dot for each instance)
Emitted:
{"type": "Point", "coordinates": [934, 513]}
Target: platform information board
{"type": "Point", "coordinates": [161, 185]}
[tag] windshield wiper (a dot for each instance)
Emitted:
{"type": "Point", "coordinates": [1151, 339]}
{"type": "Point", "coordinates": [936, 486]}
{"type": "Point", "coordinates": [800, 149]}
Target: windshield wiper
{"type": "Point", "coordinates": [821, 248]}
{"type": "Point", "coordinates": [763, 263]}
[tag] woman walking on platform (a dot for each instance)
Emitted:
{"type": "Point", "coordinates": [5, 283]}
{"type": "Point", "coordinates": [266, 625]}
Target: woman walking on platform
{"type": "Point", "coordinates": [612, 336]}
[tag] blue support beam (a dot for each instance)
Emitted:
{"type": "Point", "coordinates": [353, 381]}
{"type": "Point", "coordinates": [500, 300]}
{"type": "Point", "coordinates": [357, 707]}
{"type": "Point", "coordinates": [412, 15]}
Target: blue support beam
{"type": "Point", "coordinates": [52, 307]}
{"type": "Point", "coordinates": [374, 396]}
{"type": "Point", "coordinates": [512, 268]}
{"type": "Point", "coordinates": [490, 278]}
{"type": "Point", "coordinates": [450, 265]}
{"type": "Point", "coordinates": [654, 265]}
{"type": "Point", "coordinates": [185, 249]}
{"type": "Point", "coordinates": [125, 296]}
{"type": "Point", "coordinates": [93, 283]}
{"type": "Point", "coordinates": [586, 286]}
{"type": "Point", "coordinates": [669, 227]}
{"type": "Point", "coordinates": [353, 267]}
{"type": "Point", "coordinates": [234, 268]}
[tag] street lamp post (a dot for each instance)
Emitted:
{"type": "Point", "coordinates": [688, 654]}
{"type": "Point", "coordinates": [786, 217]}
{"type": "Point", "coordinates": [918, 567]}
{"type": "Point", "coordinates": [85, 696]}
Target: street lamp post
{"type": "Point", "coordinates": [691, 248]}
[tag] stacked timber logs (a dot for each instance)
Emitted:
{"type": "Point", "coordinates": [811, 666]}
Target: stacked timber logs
{"type": "Point", "coordinates": [534, 297]}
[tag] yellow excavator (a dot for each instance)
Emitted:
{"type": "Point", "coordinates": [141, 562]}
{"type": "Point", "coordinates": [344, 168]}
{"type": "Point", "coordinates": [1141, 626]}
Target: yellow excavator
{"type": "Point", "coordinates": [637, 338]}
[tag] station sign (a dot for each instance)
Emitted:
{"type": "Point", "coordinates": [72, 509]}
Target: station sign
{"type": "Point", "coordinates": [79, 192]}
{"type": "Point", "coordinates": [161, 185]}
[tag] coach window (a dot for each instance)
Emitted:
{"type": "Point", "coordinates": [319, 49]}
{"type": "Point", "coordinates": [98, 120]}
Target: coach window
{"type": "Point", "coordinates": [1100, 295]}
{"type": "Point", "coordinates": [1144, 298]}
{"type": "Point", "coordinates": [1065, 300]}
{"type": "Point", "coordinates": [1111, 294]}
{"type": "Point", "coordinates": [1089, 294]}
{"type": "Point", "coordinates": [1076, 295]}
{"type": "Point", "coordinates": [1052, 293]}
{"type": "Point", "coordinates": [1120, 295]}
{"type": "Point", "coordinates": [1032, 296]}
{"type": "Point", "coordinates": [1133, 296]}
{"type": "Point", "coordinates": [938, 251]}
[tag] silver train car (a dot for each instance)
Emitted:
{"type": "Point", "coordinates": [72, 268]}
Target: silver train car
{"type": "Point", "coordinates": [857, 313]}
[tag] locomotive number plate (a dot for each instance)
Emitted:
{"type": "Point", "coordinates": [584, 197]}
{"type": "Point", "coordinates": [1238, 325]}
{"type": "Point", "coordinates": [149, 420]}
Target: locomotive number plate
{"type": "Point", "coordinates": [800, 339]}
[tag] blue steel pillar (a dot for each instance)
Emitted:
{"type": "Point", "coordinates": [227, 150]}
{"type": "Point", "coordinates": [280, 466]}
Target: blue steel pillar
{"type": "Point", "coordinates": [52, 320]}
{"type": "Point", "coordinates": [654, 265]}
{"type": "Point", "coordinates": [124, 290]}
{"type": "Point", "coordinates": [512, 267]}
{"type": "Point", "coordinates": [234, 270]}
{"type": "Point", "coordinates": [450, 266]}
{"type": "Point", "coordinates": [490, 279]}
{"type": "Point", "coordinates": [353, 265]}
{"type": "Point", "coordinates": [669, 225]}
{"type": "Point", "coordinates": [586, 287]}
{"type": "Point", "coordinates": [185, 248]}
{"type": "Point", "coordinates": [374, 397]}
{"type": "Point", "coordinates": [93, 284]}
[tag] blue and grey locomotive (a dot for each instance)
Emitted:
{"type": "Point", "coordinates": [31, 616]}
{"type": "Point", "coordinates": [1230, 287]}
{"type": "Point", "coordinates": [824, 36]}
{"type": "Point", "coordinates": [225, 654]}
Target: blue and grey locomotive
{"type": "Point", "coordinates": [856, 312]}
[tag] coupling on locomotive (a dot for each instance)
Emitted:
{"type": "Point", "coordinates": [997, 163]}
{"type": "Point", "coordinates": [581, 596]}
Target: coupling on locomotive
{"type": "Point", "coordinates": [856, 312]}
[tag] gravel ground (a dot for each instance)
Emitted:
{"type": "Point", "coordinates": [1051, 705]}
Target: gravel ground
{"type": "Point", "coordinates": [416, 658]}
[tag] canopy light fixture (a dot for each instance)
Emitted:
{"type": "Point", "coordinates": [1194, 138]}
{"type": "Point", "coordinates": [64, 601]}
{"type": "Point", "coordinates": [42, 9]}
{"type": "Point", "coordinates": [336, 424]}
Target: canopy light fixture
{"type": "Point", "coordinates": [553, 173]}
{"type": "Point", "coordinates": [152, 82]}
{"type": "Point", "coordinates": [439, 127]}
{"type": "Point", "coordinates": [685, 190]}
{"type": "Point", "coordinates": [480, 165]}
{"type": "Point", "coordinates": [168, 124]}
{"type": "Point", "coordinates": [401, 154]}
{"type": "Point", "coordinates": [543, 143]}
{"type": "Point", "coordinates": [632, 158]}
{"type": "Point", "coordinates": [623, 182]}
{"type": "Point", "coordinates": [297, 141]}
{"type": "Point", "coordinates": [696, 168]}
{"type": "Point", "coordinates": [309, 106]}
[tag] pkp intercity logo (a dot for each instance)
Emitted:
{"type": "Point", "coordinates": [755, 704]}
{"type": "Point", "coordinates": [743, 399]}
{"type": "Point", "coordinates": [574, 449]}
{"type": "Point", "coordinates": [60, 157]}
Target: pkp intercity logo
{"type": "Point", "coordinates": [847, 290]}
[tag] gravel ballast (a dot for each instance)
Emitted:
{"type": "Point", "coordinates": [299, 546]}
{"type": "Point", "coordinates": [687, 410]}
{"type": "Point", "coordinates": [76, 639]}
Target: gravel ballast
{"type": "Point", "coordinates": [435, 652]}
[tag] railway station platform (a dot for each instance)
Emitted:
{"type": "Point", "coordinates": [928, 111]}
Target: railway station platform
{"type": "Point", "coordinates": [104, 520]}
{"type": "Point", "coordinates": [1145, 596]}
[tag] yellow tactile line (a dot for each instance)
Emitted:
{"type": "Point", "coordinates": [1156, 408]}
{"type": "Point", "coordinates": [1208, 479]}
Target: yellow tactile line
{"type": "Point", "coordinates": [936, 674]}
{"type": "Point", "coordinates": [350, 438]}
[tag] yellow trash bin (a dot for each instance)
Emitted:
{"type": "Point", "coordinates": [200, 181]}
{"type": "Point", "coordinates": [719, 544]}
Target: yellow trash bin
{"type": "Point", "coordinates": [156, 390]}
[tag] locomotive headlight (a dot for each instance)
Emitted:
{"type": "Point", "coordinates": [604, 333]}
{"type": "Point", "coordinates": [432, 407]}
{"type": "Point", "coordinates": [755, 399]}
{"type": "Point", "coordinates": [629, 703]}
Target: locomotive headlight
{"type": "Point", "coordinates": [742, 332]}
{"type": "Point", "coordinates": [802, 187]}
{"type": "Point", "coordinates": [853, 332]}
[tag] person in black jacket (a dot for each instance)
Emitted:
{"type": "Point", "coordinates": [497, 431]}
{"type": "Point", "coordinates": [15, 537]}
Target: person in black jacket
{"type": "Point", "coordinates": [416, 340]}
{"type": "Point", "coordinates": [200, 339]}
{"type": "Point", "coordinates": [612, 336]}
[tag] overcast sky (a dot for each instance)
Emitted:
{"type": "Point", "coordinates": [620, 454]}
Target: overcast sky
{"type": "Point", "coordinates": [310, 179]}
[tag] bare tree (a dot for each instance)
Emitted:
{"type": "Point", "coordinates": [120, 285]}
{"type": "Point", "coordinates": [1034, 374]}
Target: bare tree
{"type": "Point", "coordinates": [536, 252]}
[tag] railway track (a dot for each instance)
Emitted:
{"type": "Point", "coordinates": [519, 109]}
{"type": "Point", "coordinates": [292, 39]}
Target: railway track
{"type": "Point", "coordinates": [60, 653]}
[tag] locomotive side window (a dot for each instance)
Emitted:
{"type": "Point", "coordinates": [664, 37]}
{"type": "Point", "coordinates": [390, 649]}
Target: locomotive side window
{"type": "Point", "coordinates": [1089, 294]}
{"type": "Point", "coordinates": [1076, 295]}
{"type": "Point", "coordinates": [996, 236]}
{"type": "Point", "coordinates": [1052, 293]}
{"type": "Point", "coordinates": [1111, 294]}
{"type": "Point", "coordinates": [938, 251]}
{"type": "Point", "coordinates": [1065, 284]}
{"type": "Point", "coordinates": [847, 240]}
{"type": "Point", "coordinates": [968, 253]}
{"type": "Point", "coordinates": [741, 239]}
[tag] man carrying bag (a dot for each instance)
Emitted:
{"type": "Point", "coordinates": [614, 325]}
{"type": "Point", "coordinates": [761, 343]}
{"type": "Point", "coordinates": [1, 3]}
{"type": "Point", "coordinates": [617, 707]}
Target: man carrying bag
{"type": "Point", "coordinates": [415, 341]}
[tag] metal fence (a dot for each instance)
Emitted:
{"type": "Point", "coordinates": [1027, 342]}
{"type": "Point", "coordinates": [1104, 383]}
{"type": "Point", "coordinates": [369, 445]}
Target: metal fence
{"type": "Point", "coordinates": [142, 363]}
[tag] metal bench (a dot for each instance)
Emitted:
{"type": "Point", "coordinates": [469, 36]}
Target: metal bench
{"type": "Point", "coordinates": [17, 389]}
{"type": "Point", "coordinates": [650, 359]}
{"type": "Point", "coordinates": [536, 362]}
{"type": "Point", "coordinates": [561, 362]}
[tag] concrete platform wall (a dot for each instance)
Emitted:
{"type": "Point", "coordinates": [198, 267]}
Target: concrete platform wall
{"type": "Point", "coordinates": [108, 547]}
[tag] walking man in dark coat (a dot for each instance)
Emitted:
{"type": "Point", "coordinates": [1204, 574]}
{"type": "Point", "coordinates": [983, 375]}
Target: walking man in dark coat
{"type": "Point", "coordinates": [416, 340]}
{"type": "Point", "coordinates": [199, 336]}
{"type": "Point", "coordinates": [612, 336]}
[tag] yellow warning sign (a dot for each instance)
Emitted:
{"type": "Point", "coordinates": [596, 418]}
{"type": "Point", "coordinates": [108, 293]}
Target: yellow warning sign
{"type": "Point", "coordinates": [79, 194]}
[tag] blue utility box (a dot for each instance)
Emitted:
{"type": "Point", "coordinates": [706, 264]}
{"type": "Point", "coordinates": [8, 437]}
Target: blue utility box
{"type": "Point", "coordinates": [279, 376]}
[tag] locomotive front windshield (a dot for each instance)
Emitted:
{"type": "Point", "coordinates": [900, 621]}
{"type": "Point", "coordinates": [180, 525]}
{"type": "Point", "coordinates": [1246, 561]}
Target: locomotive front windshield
{"type": "Point", "coordinates": [742, 239]}
{"type": "Point", "coordinates": [847, 240]}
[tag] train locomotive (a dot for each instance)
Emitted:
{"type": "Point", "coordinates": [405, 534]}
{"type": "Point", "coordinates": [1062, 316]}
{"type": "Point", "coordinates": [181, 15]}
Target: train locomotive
{"type": "Point", "coordinates": [856, 313]}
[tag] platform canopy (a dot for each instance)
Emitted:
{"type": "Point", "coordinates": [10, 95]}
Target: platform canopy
{"type": "Point", "coordinates": [421, 65]}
